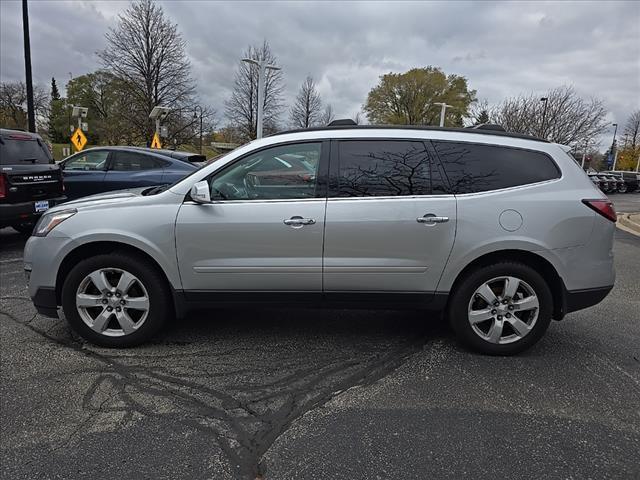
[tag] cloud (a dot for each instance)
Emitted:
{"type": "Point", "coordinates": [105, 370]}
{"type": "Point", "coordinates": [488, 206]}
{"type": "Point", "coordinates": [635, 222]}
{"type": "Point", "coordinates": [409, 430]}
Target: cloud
{"type": "Point", "coordinates": [502, 48]}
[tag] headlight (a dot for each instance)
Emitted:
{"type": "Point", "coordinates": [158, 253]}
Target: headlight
{"type": "Point", "coordinates": [49, 221]}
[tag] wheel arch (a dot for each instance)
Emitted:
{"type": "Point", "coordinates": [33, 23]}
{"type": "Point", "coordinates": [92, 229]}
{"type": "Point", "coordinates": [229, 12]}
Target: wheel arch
{"type": "Point", "coordinates": [533, 260]}
{"type": "Point", "coordinates": [99, 248]}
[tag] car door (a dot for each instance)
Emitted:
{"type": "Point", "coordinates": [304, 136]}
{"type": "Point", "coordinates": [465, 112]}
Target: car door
{"type": "Point", "coordinates": [129, 169]}
{"type": "Point", "coordinates": [390, 225]}
{"type": "Point", "coordinates": [84, 173]}
{"type": "Point", "coordinates": [264, 230]}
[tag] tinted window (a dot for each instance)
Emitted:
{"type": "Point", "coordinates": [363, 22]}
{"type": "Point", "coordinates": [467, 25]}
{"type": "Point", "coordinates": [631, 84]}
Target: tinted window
{"type": "Point", "coordinates": [385, 168]}
{"type": "Point", "coordinates": [94, 160]}
{"type": "Point", "coordinates": [128, 161]}
{"type": "Point", "coordinates": [283, 172]}
{"type": "Point", "coordinates": [18, 149]}
{"type": "Point", "coordinates": [478, 168]}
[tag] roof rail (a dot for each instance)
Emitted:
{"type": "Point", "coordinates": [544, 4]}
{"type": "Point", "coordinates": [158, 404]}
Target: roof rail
{"type": "Point", "coordinates": [488, 126]}
{"type": "Point", "coordinates": [482, 131]}
{"type": "Point", "coordinates": [342, 122]}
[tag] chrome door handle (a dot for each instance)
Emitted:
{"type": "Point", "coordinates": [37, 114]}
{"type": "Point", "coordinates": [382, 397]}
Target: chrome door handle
{"type": "Point", "coordinates": [299, 221]}
{"type": "Point", "coordinates": [431, 219]}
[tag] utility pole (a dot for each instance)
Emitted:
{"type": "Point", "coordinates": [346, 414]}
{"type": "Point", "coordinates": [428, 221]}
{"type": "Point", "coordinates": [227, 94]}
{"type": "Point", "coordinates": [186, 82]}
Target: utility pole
{"type": "Point", "coordinates": [544, 115]}
{"type": "Point", "coordinates": [443, 110]}
{"type": "Point", "coordinates": [614, 150]}
{"type": "Point", "coordinates": [262, 71]}
{"type": "Point", "coordinates": [195, 115]}
{"type": "Point", "coordinates": [584, 152]}
{"type": "Point", "coordinates": [27, 67]}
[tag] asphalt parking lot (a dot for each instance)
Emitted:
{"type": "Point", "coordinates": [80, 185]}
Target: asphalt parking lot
{"type": "Point", "coordinates": [334, 394]}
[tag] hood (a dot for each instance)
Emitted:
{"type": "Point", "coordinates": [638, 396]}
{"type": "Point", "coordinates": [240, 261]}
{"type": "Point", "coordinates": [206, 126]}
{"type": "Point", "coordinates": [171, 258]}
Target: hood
{"type": "Point", "coordinates": [108, 198]}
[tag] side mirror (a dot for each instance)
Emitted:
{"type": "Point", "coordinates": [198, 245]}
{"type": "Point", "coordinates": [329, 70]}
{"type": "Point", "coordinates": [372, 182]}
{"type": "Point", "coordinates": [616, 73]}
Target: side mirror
{"type": "Point", "coordinates": [200, 192]}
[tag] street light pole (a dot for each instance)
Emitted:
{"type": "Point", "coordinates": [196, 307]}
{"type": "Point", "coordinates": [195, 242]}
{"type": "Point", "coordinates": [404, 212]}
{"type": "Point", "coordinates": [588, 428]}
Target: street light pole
{"type": "Point", "coordinates": [27, 67]}
{"type": "Point", "coordinates": [195, 115]}
{"type": "Point", "coordinates": [262, 71]}
{"type": "Point", "coordinates": [544, 115]}
{"type": "Point", "coordinates": [613, 145]}
{"type": "Point", "coordinates": [443, 110]}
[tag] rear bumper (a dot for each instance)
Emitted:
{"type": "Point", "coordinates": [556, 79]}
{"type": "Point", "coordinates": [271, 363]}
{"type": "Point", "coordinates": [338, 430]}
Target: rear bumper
{"type": "Point", "coordinates": [12, 213]}
{"type": "Point", "coordinates": [575, 300]}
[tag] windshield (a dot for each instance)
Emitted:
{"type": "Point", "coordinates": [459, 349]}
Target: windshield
{"type": "Point", "coordinates": [22, 149]}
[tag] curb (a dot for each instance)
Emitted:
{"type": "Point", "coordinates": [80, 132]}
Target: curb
{"type": "Point", "coordinates": [631, 225]}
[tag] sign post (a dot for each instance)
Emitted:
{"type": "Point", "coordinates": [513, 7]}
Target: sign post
{"type": "Point", "coordinates": [78, 139]}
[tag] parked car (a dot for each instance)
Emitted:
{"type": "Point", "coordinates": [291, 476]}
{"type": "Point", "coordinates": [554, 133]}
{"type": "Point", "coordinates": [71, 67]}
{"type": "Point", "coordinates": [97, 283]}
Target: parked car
{"type": "Point", "coordinates": [501, 231]}
{"type": "Point", "coordinates": [615, 183]}
{"type": "Point", "coordinates": [30, 182]}
{"type": "Point", "coordinates": [631, 180]}
{"type": "Point", "coordinates": [104, 169]}
{"type": "Point", "coordinates": [609, 183]}
{"type": "Point", "coordinates": [598, 182]}
{"type": "Point", "coordinates": [194, 158]}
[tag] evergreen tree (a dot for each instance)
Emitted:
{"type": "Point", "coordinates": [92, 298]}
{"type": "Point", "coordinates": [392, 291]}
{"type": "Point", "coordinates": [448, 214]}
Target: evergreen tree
{"type": "Point", "coordinates": [57, 124]}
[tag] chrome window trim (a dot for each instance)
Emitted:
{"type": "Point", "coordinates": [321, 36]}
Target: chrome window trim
{"type": "Point", "coordinates": [392, 197]}
{"type": "Point", "coordinates": [256, 200]}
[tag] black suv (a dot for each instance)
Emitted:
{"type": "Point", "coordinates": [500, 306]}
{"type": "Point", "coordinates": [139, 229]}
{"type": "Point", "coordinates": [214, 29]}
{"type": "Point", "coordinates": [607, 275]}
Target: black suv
{"type": "Point", "coordinates": [30, 182]}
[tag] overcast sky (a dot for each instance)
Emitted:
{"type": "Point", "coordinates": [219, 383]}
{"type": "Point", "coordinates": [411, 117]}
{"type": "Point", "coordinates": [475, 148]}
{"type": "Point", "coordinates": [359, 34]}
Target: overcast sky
{"type": "Point", "coordinates": [502, 48]}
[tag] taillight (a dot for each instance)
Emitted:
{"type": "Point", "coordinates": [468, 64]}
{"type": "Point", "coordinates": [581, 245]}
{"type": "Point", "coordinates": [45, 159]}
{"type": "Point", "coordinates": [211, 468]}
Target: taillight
{"type": "Point", "coordinates": [3, 185]}
{"type": "Point", "coordinates": [603, 207]}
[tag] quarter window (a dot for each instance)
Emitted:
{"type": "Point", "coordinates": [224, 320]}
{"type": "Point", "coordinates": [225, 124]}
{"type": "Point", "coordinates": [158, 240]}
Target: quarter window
{"type": "Point", "coordinates": [479, 168]}
{"type": "Point", "coordinates": [282, 172]}
{"type": "Point", "coordinates": [376, 168]}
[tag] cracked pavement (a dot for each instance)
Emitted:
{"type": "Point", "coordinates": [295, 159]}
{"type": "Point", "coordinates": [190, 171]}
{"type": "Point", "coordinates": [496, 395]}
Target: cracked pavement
{"type": "Point", "coordinates": [280, 394]}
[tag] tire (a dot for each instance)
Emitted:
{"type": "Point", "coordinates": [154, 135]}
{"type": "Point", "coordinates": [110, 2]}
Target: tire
{"type": "Point", "coordinates": [510, 327]}
{"type": "Point", "coordinates": [146, 308]}
{"type": "Point", "coordinates": [24, 228]}
{"type": "Point", "coordinates": [622, 188]}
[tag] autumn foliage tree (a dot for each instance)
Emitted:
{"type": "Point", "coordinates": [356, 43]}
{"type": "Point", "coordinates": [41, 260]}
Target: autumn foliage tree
{"type": "Point", "coordinates": [408, 98]}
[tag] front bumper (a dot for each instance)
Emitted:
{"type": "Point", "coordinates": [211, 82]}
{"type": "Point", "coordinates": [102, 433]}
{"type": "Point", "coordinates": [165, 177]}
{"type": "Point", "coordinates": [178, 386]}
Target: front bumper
{"type": "Point", "coordinates": [45, 302]}
{"type": "Point", "coordinates": [12, 213]}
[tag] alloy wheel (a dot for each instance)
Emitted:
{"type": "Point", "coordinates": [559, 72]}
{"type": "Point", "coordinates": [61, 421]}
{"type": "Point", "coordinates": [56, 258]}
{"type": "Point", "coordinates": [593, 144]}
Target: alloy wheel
{"type": "Point", "coordinates": [112, 302]}
{"type": "Point", "coordinates": [503, 310]}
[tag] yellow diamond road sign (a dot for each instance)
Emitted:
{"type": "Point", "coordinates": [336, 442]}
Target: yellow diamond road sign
{"type": "Point", "coordinates": [78, 139]}
{"type": "Point", "coordinates": [155, 143]}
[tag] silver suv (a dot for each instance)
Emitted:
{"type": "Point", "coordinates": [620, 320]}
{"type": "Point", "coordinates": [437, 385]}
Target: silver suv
{"type": "Point", "coordinates": [502, 232]}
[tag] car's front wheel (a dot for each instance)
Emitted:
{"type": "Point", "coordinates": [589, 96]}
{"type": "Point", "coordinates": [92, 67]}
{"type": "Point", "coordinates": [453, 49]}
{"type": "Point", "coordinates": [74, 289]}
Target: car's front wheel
{"type": "Point", "coordinates": [115, 300]}
{"type": "Point", "coordinates": [501, 309]}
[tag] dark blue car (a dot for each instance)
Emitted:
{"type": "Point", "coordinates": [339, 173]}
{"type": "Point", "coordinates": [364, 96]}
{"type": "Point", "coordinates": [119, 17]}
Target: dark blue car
{"type": "Point", "coordinates": [103, 169]}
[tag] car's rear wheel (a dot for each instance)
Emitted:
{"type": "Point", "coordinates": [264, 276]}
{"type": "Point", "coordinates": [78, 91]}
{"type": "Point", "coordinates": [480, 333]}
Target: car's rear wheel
{"type": "Point", "coordinates": [115, 300]}
{"type": "Point", "coordinates": [501, 309]}
{"type": "Point", "coordinates": [622, 188]}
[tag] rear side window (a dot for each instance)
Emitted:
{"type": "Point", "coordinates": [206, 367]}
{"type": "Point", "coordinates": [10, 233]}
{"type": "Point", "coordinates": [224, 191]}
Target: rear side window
{"type": "Point", "coordinates": [377, 168]}
{"type": "Point", "coordinates": [131, 161]}
{"type": "Point", "coordinates": [479, 168]}
{"type": "Point", "coordinates": [22, 150]}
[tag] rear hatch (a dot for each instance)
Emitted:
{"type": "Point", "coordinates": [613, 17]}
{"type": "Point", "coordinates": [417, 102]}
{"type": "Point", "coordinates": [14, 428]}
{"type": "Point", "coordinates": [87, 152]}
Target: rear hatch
{"type": "Point", "coordinates": [27, 171]}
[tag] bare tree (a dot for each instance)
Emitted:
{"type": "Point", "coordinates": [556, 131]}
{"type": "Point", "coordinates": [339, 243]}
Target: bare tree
{"type": "Point", "coordinates": [569, 119]}
{"type": "Point", "coordinates": [306, 110]}
{"type": "Point", "coordinates": [242, 106]}
{"type": "Point", "coordinates": [632, 129]}
{"type": "Point", "coordinates": [327, 116]}
{"type": "Point", "coordinates": [13, 105]}
{"type": "Point", "coordinates": [358, 117]}
{"type": "Point", "coordinates": [147, 52]}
